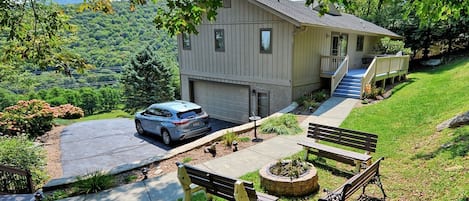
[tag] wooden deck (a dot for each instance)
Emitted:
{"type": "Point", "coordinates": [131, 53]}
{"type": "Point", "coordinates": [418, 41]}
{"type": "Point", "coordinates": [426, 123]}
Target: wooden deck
{"type": "Point", "coordinates": [380, 69]}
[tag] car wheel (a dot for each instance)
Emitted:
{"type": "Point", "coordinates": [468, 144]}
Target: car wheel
{"type": "Point", "coordinates": [166, 137]}
{"type": "Point", "coordinates": [139, 127]}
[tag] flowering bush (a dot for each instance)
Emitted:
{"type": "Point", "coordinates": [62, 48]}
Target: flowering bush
{"type": "Point", "coordinates": [33, 117]}
{"type": "Point", "coordinates": [68, 111]}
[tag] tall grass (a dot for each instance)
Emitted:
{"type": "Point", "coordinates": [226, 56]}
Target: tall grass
{"type": "Point", "coordinates": [286, 124]}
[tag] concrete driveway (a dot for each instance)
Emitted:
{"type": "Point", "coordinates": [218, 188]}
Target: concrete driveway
{"type": "Point", "coordinates": [103, 144]}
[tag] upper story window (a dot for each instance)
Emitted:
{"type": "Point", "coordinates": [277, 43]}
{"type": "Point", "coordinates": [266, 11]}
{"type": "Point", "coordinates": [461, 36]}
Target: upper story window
{"type": "Point", "coordinates": [226, 3]}
{"type": "Point", "coordinates": [219, 40]}
{"type": "Point", "coordinates": [266, 40]}
{"type": "Point", "coordinates": [360, 41]}
{"type": "Point", "coordinates": [186, 41]}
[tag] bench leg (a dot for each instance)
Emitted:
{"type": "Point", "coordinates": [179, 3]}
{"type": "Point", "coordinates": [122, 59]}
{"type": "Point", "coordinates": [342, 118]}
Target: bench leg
{"type": "Point", "coordinates": [306, 153]}
{"type": "Point", "coordinates": [240, 193]}
{"type": "Point", "coordinates": [358, 165]}
{"type": "Point", "coordinates": [376, 180]}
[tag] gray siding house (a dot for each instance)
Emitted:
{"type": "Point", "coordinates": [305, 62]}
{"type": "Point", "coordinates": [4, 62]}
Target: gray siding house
{"type": "Point", "coordinates": [260, 55]}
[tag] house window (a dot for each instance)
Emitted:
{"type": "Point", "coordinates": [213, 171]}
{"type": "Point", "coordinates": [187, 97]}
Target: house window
{"type": "Point", "coordinates": [219, 40]}
{"type": "Point", "coordinates": [360, 40]}
{"type": "Point", "coordinates": [186, 41]}
{"type": "Point", "coordinates": [266, 41]}
{"type": "Point", "coordinates": [226, 3]}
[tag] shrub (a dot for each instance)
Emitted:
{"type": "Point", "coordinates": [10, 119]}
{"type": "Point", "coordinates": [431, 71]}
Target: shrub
{"type": "Point", "coordinates": [32, 117]}
{"type": "Point", "coordinates": [283, 125]}
{"type": "Point", "coordinates": [20, 152]}
{"type": "Point", "coordinates": [7, 98]}
{"type": "Point", "coordinates": [94, 182]}
{"type": "Point", "coordinates": [68, 111]}
{"type": "Point", "coordinates": [56, 101]}
{"type": "Point", "coordinates": [229, 137]}
{"type": "Point", "coordinates": [319, 96]}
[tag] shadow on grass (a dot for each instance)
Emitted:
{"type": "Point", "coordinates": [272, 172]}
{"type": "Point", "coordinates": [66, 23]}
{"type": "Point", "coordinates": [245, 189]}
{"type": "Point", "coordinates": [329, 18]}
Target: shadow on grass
{"type": "Point", "coordinates": [403, 84]}
{"type": "Point", "coordinates": [458, 146]}
{"type": "Point", "coordinates": [321, 163]}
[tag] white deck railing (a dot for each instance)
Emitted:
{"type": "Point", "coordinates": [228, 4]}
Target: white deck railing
{"type": "Point", "coordinates": [329, 64]}
{"type": "Point", "coordinates": [339, 74]}
{"type": "Point", "coordinates": [383, 68]}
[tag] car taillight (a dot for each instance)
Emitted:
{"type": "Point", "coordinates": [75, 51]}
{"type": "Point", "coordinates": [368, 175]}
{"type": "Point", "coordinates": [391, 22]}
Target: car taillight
{"type": "Point", "coordinates": [182, 122]}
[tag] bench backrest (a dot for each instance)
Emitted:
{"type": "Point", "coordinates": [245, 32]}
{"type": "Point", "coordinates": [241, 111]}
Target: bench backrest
{"type": "Point", "coordinates": [351, 138]}
{"type": "Point", "coordinates": [359, 180]}
{"type": "Point", "coordinates": [218, 185]}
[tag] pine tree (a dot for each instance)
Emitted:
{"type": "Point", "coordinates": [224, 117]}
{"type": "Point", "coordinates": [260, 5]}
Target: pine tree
{"type": "Point", "coordinates": [146, 80]}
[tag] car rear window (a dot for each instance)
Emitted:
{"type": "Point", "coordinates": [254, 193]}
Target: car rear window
{"type": "Point", "coordinates": [189, 114]}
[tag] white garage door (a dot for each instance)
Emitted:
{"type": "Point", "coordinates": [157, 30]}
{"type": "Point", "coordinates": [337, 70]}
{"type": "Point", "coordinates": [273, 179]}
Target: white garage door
{"type": "Point", "coordinates": [227, 102]}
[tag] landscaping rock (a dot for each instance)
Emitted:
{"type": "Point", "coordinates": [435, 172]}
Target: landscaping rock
{"type": "Point", "coordinates": [460, 120]}
{"type": "Point", "coordinates": [387, 94]}
{"type": "Point", "coordinates": [454, 122]}
{"type": "Point", "coordinates": [379, 97]}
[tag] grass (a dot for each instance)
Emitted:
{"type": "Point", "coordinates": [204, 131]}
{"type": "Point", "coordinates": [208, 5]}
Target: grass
{"type": "Point", "coordinates": [406, 125]}
{"type": "Point", "coordinates": [420, 164]}
{"type": "Point", "coordinates": [107, 115]}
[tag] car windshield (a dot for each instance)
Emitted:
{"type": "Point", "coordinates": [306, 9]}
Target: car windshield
{"type": "Point", "coordinates": [189, 113]}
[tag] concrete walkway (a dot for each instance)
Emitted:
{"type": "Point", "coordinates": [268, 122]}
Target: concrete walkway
{"type": "Point", "coordinates": [167, 188]}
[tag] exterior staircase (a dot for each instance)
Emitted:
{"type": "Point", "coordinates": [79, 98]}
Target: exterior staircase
{"type": "Point", "coordinates": [349, 87]}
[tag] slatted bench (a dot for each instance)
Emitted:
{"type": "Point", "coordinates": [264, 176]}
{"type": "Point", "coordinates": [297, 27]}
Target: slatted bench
{"type": "Point", "coordinates": [369, 176]}
{"type": "Point", "coordinates": [193, 179]}
{"type": "Point", "coordinates": [340, 136]}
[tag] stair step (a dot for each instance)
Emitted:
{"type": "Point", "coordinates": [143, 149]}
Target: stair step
{"type": "Point", "coordinates": [357, 92]}
{"type": "Point", "coordinates": [347, 79]}
{"type": "Point", "coordinates": [349, 87]}
{"type": "Point", "coordinates": [346, 95]}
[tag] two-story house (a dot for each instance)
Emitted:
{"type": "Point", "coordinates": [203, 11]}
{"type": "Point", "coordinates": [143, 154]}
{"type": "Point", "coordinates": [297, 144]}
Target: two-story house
{"type": "Point", "coordinates": [260, 55]}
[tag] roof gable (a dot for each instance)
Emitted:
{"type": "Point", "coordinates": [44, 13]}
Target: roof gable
{"type": "Point", "coordinates": [300, 15]}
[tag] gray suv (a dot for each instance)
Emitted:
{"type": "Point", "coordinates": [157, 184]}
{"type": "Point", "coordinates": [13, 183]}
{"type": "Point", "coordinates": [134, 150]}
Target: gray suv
{"type": "Point", "coordinates": [173, 121]}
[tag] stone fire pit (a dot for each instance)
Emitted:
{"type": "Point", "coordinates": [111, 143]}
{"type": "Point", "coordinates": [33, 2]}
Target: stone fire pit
{"type": "Point", "coordinates": [305, 184]}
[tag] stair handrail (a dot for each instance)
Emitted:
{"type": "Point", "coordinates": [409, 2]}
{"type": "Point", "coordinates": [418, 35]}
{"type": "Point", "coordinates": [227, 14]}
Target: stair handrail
{"type": "Point", "coordinates": [339, 74]}
{"type": "Point", "coordinates": [368, 76]}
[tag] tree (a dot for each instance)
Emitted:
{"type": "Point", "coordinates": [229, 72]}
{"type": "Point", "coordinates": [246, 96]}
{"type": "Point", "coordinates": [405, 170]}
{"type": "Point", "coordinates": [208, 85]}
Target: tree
{"type": "Point", "coordinates": [34, 32]}
{"type": "Point", "coordinates": [110, 98]}
{"type": "Point", "coordinates": [146, 80]}
{"type": "Point", "coordinates": [91, 100]}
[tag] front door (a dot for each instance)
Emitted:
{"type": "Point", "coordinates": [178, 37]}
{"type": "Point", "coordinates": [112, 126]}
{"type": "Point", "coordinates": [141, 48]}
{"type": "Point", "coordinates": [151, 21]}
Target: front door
{"type": "Point", "coordinates": [339, 43]}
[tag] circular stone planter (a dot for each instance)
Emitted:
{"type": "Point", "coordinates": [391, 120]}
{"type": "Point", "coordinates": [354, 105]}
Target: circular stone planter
{"type": "Point", "coordinates": [305, 184]}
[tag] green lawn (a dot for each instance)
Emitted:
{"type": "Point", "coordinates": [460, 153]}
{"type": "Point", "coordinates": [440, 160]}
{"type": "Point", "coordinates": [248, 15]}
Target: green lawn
{"type": "Point", "coordinates": [107, 115]}
{"type": "Point", "coordinates": [420, 163]}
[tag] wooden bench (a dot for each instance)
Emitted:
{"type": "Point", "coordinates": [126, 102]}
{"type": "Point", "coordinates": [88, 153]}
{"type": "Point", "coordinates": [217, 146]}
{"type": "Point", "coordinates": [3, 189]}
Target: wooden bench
{"type": "Point", "coordinates": [340, 136]}
{"type": "Point", "coordinates": [369, 176]}
{"type": "Point", "coordinates": [214, 184]}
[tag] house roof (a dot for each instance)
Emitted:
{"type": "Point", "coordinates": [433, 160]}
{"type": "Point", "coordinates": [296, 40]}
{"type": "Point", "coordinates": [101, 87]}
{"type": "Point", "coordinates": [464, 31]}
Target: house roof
{"type": "Point", "coordinates": [300, 15]}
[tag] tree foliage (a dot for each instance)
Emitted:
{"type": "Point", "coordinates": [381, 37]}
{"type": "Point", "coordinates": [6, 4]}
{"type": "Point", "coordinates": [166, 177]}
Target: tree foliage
{"type": "Point", "coordinates": [146, 80]}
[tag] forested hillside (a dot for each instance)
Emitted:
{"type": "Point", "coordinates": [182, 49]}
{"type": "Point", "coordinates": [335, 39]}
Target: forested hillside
{"type": "Point", "coordinates": [108, 40]}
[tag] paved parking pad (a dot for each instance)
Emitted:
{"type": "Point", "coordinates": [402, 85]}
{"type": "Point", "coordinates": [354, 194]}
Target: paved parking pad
{"type": "Point", "coordinates": [103, 144]}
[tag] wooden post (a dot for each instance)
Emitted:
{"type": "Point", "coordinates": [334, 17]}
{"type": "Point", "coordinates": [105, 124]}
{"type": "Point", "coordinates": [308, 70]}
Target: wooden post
{"type": "Point", "coordinates": [185, 182]}
{"type": "Point", "coordinates": [240, 193]}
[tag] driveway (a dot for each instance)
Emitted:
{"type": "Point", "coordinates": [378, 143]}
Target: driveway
{"type": "Point", "coordinates": [103, 144]}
